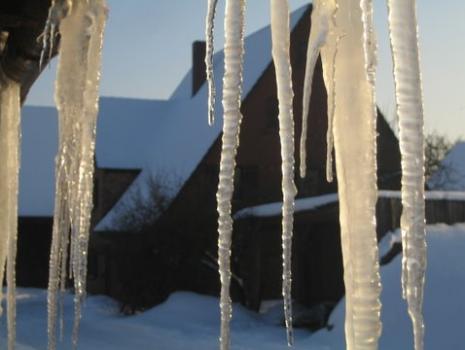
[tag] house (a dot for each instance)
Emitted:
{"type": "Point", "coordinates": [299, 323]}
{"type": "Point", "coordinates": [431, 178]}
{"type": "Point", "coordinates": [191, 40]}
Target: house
{"type": "Point", "coordinates": [180, 247]}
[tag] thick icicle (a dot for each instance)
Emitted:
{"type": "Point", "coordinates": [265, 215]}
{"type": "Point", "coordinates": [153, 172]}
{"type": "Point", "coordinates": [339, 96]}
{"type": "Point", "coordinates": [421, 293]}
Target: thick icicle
{"type": "Point", "coordinates": [356, 169]}
{"type": "Point", "coordinates": [210, 23]}
{"type": "Point", "coordinates": [319, 30]}
{"type": "Point", "coordinates": [280, 35]}
{"type": "Point", "coordinates": [232, 89]}
{"type": "Point", "coordinates": [9, 171]}
{"type": "Point", "coordinates": [76, 96]}
{"type": "Point", "coordinates": [404, 44]}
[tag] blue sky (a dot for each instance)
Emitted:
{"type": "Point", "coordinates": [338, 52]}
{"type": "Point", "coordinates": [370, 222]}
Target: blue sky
{"type": "Point", "coordinates": [147, 50]}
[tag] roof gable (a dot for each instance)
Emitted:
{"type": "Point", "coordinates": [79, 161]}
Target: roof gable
{"type": "Point", "coordinates": [170, 136]}
{"type": "Point", "coordinates": [188, 136]}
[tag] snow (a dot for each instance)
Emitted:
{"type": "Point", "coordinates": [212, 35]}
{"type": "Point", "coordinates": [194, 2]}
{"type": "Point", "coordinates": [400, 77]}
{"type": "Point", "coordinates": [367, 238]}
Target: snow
{"type": "Point", "coordinates": [453, 177]}
{"type": "Point", "coordinates": [125, 140]}
{"type": "Point", "coordinates": [191, 321]}
{"type": "Point", "coordinates": [310, 203]}
{"type": "Point", "coordinates": [444, 307]}
{"type": "Point", "coordinates": [184, 157]}
{"type": "Point", "coordinates": [257, 57]}
{"type": "Point", "coordinates": [301, 204]}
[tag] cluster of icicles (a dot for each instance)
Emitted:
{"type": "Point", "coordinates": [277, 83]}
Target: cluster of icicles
{"type": "Point", "coordinates": [81, 24]}
{"type": "Point", "coordinates": [342, 34]}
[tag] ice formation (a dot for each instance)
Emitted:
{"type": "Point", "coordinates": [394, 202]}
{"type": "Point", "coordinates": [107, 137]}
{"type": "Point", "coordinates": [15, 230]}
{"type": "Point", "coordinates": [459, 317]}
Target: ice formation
{"type": "Point", "coordinates": [57, 11]}
{"type": "Point", "coordinates": [356, 169]}
{"type": "Point", "coordinates": [404, 44]}
{"type": "Point", "coordinates": [9, 171]}
{"type": "Point", "coordinates": [280, 37]}
{"type": "Point", "coordinates": [342, 32]}
{"type": "Point", "coordinates": [76, 97]}
{"type": "Point", "coordinates": [232, 89]}
{"type": "Point", "coordinates": [321, 19]}
{"type": "Point", "coordinates": [210, 22]}
{"type": "Point", "coordinates": [323, 39]}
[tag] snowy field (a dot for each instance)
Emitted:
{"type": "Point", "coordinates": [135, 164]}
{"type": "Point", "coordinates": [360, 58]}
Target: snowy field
{"type": "Point", "coordinates": [190, 321]}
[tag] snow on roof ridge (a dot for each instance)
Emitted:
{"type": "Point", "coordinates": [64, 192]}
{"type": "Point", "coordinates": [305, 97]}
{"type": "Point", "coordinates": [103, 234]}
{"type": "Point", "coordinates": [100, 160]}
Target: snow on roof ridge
{"type": "Point", "coordinates": [184, 89]}
{"type": "Point", "coordinates": [314, 202]}
{"type": "Point", "coordinates": [145, 99]}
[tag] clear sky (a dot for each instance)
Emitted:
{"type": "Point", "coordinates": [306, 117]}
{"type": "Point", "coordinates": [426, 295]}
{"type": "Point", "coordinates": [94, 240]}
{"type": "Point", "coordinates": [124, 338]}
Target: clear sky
{"type": "Point", "coordinates": [147, 50]}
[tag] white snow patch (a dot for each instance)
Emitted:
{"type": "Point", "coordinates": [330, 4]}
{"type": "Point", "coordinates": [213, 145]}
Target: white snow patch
{"type": "Point", "coordinates": [309, 203]}
{"type": "Point", "coordinates": [444, 307]}
{"type": "Point", "coordinates": [191, 321]}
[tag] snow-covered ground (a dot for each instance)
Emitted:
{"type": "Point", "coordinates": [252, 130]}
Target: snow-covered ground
{"type": "Point", "coordinates": [190, 321]}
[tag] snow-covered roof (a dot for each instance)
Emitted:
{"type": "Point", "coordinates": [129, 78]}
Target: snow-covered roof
{"type": "Point", "coordinates": [452, 175]}
{"type": "Point", "coordinates": [187, 135]}
{"type": "Point", "coordinates": [124, 126]}
{"type": "Point", "coordinates": [168, 136]}
{"type": "Point", "coordinates": [256, 59]}
{"type": "Point", "coordinates": [310, 203]}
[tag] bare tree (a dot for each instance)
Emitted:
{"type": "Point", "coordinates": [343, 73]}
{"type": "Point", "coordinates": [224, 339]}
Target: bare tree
{"type": "Point", "coordinates": [440, 173]}
{"type": "Point", "coordinates": [144, 209]}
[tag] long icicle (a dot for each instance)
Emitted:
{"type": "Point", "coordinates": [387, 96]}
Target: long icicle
{"type": "Point", "coordinates": [317, 38]}
{"type": "Point", "coordinates": [14, 137]}
{"type": "Point", "coordinates": [9, 153]}
{"type": "Point", "coordinates": [280, 37]}
{"type": "Point", "coordinates": [328, 58]}
{"type": "Point", "coordinates": [356, 169]}
{"type": "Point", "coordinates": [210, 24]}
{"type": "Point", "coordinates": [77, 102]}
{"type": "Point", "coordinates": [232, 89]}
{"type": "Point", "coordinates": [405, 53]}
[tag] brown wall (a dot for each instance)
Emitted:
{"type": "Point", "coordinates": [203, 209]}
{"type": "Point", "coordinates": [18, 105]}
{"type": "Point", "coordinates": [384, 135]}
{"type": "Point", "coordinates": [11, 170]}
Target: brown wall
{"type": "Point", "coordinates": [109, 186]}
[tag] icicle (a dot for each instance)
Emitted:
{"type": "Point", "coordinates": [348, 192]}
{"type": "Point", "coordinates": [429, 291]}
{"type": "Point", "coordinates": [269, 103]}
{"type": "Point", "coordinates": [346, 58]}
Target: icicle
{"type": "Point", "coordinates": [77, 102]}
{"type": "Point", "coordinates": [9, 172]}
{"type": "Point", "coordinates": [328, 58]}
{"type": "Point", "coordinates": [318, 32]}
{"type": "Point", "coordinates": [404, 44]}
{"type": "Point", "coordinates": [328, 54]}
{"type": "Point", "coordinates": [210, 22]}
{"type": "Point", "coordinates": [232, 89]}
{"type": "Point", "coordinates": [58, 10]}
{"type": "Point", "coordinates": [280, 35]}
{"type": "Point", "coordinates": [355, 141]}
